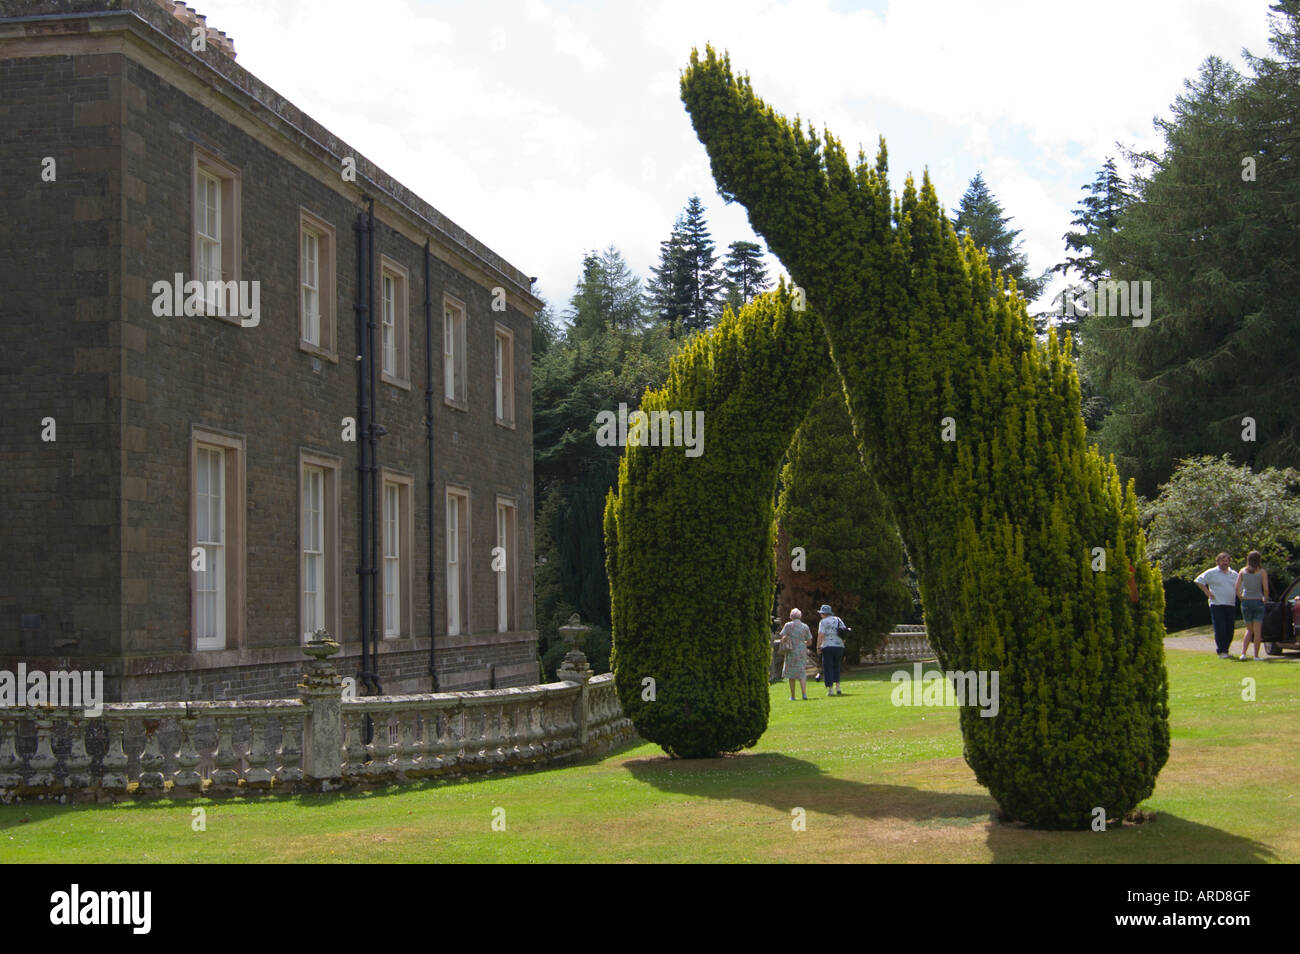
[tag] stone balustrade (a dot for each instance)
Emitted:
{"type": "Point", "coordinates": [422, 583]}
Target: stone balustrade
{"type": "Point", "coordinates": [319, 741]}
{"type": "Point", "coordinates": [906, 642]}
{"type": "Point", "coordinates": [152, 747]}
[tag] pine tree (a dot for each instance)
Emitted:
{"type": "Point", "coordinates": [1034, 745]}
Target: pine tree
{"type": "Point", "coordinates": [746, 273]}
{"type": "Point", "coordinates": [706, 277]}
{"type": "Point", "coordinates": [686, 290]}
{"type": "Point", "coordinates": [669, 288]}
{"type": "Point", "coordinates": [1097, 217]}
{"type": "Point", "coordinates": [1029, 554]}
{"type": "Point", "coordinates": [980, 215]}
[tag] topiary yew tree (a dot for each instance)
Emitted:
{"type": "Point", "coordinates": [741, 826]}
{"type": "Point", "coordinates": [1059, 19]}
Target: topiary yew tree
{"type": "Point", "coordinates": [689, 539]}
{"type": "Point", "coordinates": [1021, 535]}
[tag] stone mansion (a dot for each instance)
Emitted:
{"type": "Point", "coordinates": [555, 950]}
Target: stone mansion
{"type": "Point", "coordinates": [253, 387]}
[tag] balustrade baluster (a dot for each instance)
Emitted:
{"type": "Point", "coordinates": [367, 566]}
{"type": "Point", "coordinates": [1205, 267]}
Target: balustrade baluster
{"type": "Point", "coordinates": [78, 764]}
{"type": "Point", "coordinates": [380, 749]}
{"type": "Point", "coordinates": [354, 747]}
{"type": "Point", "coordinates": [10, 762]}
{"type": "Point", "coordinates": [187, 779]}
{"type": "Point", "coordinates": [258, 775]}
{"type": "Point", "coordinates": [152, 760]}
{"type": "Point", "coordinates": [115, 760]}
{"type": "Point", "coordinates": [224, 773]}
{"type": "Point", "coordinates": [290, 755]}
{"type": "Point", "coordinates": [407, 753]}
{"type": "Point", "coordinates": [43, 761]}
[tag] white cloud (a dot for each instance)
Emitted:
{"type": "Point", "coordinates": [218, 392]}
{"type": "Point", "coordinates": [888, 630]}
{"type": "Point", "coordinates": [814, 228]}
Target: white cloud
{"type": "Point", "coordinates": [548, 129]}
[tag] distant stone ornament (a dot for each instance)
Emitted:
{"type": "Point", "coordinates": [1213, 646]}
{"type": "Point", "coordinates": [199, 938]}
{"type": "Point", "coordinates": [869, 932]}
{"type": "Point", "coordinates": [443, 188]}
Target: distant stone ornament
{"type": "Point", "coordinates": [574, 668]}
{"type": "Point", "coordinates": [321, 674]}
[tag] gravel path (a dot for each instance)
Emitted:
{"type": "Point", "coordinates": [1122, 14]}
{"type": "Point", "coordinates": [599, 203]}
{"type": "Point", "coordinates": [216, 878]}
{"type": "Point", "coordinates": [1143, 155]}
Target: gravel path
{"type": "Point", "coordinates": [1205, 644]}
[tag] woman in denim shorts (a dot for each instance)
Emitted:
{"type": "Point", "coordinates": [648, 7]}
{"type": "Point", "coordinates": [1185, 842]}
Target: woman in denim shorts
{"type": "Point", "coordinates": [1252, 589]}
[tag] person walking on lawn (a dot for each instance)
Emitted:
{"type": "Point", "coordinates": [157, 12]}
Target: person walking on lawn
{"type": "Point", "coordinates": [797, 636]}
{"type": "Point", "coordinates": [1219, 583]}
{"type": "Point", "coordinates": [1252, 587]}
{"type": "Point", "coordinates": [831, 645]}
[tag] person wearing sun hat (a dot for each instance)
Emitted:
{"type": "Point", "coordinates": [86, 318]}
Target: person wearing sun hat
{"type": "Point", "coordinates": [831, 645]}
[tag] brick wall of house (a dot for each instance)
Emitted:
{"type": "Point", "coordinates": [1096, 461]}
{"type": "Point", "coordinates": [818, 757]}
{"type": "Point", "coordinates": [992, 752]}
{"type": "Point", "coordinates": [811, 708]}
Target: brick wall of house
{"type": "Point", "coordinates": [257, 383]}
{"type": "Point", "coordinates": [60, 356]}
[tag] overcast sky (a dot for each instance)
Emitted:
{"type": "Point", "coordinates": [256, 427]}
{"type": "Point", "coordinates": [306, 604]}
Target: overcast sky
{"type": "Point", "coordinates": [549, 128]}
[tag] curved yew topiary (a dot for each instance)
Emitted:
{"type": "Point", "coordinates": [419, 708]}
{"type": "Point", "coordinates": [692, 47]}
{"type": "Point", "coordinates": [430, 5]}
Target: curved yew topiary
{"type": "Point", "coordinates": [689, 540]}
{"type": "Point", "coordinates": [972, 429]}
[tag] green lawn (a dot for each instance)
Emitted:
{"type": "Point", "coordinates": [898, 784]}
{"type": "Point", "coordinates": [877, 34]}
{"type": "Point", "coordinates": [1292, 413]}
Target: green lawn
{"type": "Point", "coordinates": [877, 783]}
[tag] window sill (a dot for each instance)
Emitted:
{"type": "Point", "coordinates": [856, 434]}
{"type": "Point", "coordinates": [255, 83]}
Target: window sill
{"type": "Point", "coordinates": [403, 383]}
{"type": "Point", "coordinates": [461, 405]}
{"type": "Point", "coordinates": [317, 351]}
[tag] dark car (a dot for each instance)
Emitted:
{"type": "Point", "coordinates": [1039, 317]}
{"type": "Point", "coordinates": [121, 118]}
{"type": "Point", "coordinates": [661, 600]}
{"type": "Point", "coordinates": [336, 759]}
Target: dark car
{"type": "Point", "coordinates": [1281, 622]}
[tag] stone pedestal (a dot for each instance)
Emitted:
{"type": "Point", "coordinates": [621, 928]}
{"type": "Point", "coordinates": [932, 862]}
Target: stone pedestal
{"type": "Point", "coordinates": [575, 669]}
{"type": "Point", "coordinates": [321, 690]}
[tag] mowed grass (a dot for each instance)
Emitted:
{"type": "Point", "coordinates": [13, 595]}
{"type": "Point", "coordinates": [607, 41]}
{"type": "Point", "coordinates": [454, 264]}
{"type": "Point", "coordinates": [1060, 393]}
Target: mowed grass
{"type": "Point", "coordinates": [876, 783]}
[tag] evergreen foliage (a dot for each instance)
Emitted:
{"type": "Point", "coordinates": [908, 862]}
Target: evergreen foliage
{"type": "Point", "coordinates": [689, 540]}
{"type": "Point", "coordinates": [1209, 506]}
{"type": "Point", "coordinates": [1003, 521]}
{"type": "Point", "coordinates": [687, 286]}
{"type": "Point", "coordinates": [1215, 227]}
{"type": "Point", "coordinates": [669, 286]}
{"type": "Point", "coordinates": [608, 296]}
{"type": "Point", "coordinates": [589, 370]}
{"type": "Point", "coordinates": [980, 216]}
{"type": "Point", "coordinates": [746, 273]}
{"type": "Point", "coordinates": [853, 558]}
{"type": "Point", "coordinates": [1097, 217]}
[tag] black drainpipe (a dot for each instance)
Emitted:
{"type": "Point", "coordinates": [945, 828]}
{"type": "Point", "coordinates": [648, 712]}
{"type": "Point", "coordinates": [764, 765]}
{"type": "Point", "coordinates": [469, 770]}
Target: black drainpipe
{"type": "Point", "coordinates": [363, 463]}
{"type": "Point", "coordinates": [428, 443]}
{"type": "Point", "coordinates": [372, 435]}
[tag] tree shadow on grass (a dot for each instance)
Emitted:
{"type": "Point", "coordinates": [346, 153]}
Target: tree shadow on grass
{"type": "Point", "coordinates": [781, 782]}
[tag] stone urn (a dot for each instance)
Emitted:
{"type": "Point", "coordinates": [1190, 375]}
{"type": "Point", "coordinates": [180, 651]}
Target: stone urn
{"type": "Point", "coordinates": [574, 668]}
{"type": "Point", "coordinates": [321, 674]}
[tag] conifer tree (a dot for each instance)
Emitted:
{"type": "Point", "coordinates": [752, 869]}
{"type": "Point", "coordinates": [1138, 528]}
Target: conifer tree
{"type": "Point", "coordinates": [980, 215]}
{"type": "Point", "coordinates": [687, 285]}
{"type": "Point", "coordinates": [689, 539]}
{"type": "Point", "coordinates": [608, 295]}
{"type": "Point", "coordinates": [746, 273]}
{"type": "Point", "coordinates": [669, 287]}
{"type": "Point", "coordinates": [1028, 551]}
{"type": "Point", "coordinates": [1215, 228]}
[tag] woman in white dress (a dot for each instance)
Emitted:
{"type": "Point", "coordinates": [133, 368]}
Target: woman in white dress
{"type": "Point", "coordinates": [796, 658]}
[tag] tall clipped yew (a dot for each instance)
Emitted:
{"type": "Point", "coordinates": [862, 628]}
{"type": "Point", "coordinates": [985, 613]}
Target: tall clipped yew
{"type": "Point", "coordinates": [1021, 534]}
{"type": "Point", "coordinates": [689, 539]}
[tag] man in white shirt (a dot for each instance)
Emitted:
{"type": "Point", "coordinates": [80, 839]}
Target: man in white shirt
{"type": "Point", "coordinates": [1219, 583]}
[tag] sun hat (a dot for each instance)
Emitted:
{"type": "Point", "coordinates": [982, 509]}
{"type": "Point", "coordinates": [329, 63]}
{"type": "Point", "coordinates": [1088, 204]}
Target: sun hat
{"type": "Point", "coordinates": [826, 609]}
